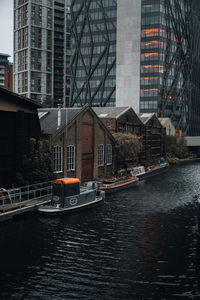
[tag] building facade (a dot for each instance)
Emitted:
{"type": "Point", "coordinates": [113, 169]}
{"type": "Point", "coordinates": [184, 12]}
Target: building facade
{"type": "Point", "coordinates": [81, 145]}
{"type": "Point", "coordinates": [141, 53]}
{"type": "Point", "coordinates": [154, 63]}
{"type": "Point", "coordinates": [6, 72]}
{"type": "Point", "coordinates": [166, 58]}
{"type": "Point", "coordinates": [146, 127]}
{"type": "Point", "coordinates": [93, 61]}
{"type": "Point", "coordinates": [41, 50]}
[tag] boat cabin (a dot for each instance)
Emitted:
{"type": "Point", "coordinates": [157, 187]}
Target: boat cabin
{"type": "Point", "coordinates": [65, 187]}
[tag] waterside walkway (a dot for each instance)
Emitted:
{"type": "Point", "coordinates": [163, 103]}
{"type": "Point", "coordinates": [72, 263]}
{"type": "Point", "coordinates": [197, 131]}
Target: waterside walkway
{"type": "Point", "coordinates": [23, 199]}
{"type": "Point", "coordinates": [12, 209]}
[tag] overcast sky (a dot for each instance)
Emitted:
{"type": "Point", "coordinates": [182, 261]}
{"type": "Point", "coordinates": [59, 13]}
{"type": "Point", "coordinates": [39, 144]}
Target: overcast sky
{"type": "Point", "coordinates": [6, 27]}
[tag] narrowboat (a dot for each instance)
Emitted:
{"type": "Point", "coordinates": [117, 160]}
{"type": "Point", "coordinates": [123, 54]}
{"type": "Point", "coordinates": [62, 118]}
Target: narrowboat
{"type": "Point", "coordinates": [150, 171]}
{"type": "Point", "coordinates": [68, 196]}
{"type": "Point", "coordinates": [119, 184]}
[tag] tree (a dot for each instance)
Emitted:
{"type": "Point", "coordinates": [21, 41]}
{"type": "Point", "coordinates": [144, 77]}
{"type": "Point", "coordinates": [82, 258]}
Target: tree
{"type": "Point", "coordinates": [127, 146]}
{"type": "Point", "coordinates": [176, 147]}
{"type": "Point", "coordinates": [37, 165]}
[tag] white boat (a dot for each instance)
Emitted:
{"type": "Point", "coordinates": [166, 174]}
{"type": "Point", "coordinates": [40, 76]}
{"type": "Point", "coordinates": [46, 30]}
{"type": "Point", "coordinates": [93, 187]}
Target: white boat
{"type": "Point", "coordinates": [153, 170]}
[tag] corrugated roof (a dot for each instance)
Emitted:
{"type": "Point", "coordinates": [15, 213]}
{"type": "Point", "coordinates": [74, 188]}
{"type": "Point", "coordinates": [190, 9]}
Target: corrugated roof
{"type": "Point", "coordinates": [49, 118]}
{"type": "Point", "coordinates": [110, 112]}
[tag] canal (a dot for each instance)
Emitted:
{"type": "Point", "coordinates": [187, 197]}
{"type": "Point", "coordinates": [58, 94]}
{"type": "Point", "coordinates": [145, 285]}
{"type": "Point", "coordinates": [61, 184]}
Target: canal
{"type": "Point", "coordinates": [141, 244]}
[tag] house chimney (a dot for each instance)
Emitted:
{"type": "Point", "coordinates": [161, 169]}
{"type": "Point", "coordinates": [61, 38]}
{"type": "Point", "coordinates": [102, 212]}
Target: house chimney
{"type": "Point", "coordinates": [59, 115]}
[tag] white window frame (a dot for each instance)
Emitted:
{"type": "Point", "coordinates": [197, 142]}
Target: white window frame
{"type": "Point", "coordinates": [57, 159]}
{"type": "Point", "coordinates": [71, 155]}
{"type": "Point", "coordinates": [109, 154]}
{"type": "Point", "coordinates": [101, 155]}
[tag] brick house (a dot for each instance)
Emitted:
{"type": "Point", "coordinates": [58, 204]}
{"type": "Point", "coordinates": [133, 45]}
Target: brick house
{"type": "Point", "coordinates": [154, 139]}
{"type": "Point", "coordinates": [82, 146]}
{"type": "Point", "coordinates": [18, 123]}
{"type": "Point", "coordinates": [145, 126]}
{"type": "Point", "coordinates": [123, 119]}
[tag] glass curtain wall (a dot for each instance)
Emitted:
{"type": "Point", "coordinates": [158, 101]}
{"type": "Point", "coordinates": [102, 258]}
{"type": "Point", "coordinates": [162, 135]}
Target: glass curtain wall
{"type": "Point", "coordinates": [165, 59]}
{"type": "Point", "coordinates": [93, 61]}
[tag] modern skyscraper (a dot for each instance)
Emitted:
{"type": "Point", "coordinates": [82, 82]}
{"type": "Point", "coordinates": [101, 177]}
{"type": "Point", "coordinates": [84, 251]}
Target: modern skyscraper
{"type": "Point", "coordinates": [170, 65]}
{"type": "Point", "coordinates": [165, 59]}
{"type": "Point", "coordinates": [93, 61]}
{"type": "Point", "coordinates": [6, 72]}
{"type": "Point", "coordinates": [139, 53]}
{"type": "Point", "coordinates": [41, 50]}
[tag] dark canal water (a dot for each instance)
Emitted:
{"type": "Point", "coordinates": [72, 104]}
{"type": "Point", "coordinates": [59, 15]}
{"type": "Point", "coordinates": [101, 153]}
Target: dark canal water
{"type": "Point", "coordinates": [141, 244]}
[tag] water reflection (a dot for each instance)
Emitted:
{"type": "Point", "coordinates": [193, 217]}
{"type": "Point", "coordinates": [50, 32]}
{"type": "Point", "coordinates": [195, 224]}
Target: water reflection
{"type": "Point", "coordinates": [140, 244]}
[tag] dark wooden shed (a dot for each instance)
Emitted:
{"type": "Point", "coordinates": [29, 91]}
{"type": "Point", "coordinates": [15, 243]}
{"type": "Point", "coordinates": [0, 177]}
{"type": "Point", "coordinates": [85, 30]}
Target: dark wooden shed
{"type": "Point", "coordinates": [18, 123]}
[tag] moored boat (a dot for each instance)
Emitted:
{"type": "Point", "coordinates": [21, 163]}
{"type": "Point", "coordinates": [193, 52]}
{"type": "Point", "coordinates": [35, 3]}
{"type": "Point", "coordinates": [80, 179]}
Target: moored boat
{"type": "Point", "coordinates": [143, 173]}
{"type": "Point", "coordinates": [67, 196]}
{"type": "Point", "coordinates": [119, 185]}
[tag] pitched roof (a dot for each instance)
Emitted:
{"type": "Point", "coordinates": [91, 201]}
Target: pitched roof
{"type": "Point", "coordinates": [166, 121]}
{"type": "Point", "coordinates": [49, 118]}
{"type": "Point", "coordinates": [110, 112]}
{"type": "Point", "coordinates": [145, 117]}
{"type": "Point", "coordinates": [18, 98]}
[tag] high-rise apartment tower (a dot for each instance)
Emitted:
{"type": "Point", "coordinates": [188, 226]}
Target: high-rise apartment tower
{"type": "Point", "coordinates": [6, 72]}
{"type": "Point", "coordinates": [41, 50]}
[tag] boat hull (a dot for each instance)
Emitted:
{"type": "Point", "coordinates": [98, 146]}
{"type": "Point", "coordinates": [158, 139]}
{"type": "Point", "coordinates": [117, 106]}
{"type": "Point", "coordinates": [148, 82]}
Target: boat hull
{"type": "Point", "coordinates": [118, 186]}
{"type": "Point", "coordinates": [157, 171]}
{"type": "Point", "coordinates": [53, 210]}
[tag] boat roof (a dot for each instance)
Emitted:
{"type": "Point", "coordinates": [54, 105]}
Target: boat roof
{"type": "Point", "coordinates": [66, 180]}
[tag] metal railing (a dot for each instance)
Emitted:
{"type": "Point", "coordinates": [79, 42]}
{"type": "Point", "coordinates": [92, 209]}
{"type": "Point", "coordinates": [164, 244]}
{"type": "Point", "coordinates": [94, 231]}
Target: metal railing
{"type": "Point", "coordinates": [16, 197]}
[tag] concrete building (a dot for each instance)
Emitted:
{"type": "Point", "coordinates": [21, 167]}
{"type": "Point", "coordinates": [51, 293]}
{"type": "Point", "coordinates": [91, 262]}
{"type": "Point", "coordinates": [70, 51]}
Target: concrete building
{"type": "Point", "coordinates": [6, 72]}
{"type": "Point", "coordinates": [41, 50]}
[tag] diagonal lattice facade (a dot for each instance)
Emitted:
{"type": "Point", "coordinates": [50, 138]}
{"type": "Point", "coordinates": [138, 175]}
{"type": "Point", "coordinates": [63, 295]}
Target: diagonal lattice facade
{"type": "Point", "coordinates": [176, 97]}
{"type": "Point", "coordinates": [93, 60]}
{"type": "Point", "coordinates": [170, 62]}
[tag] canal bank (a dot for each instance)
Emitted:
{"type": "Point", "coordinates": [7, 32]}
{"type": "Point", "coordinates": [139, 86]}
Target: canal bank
{"type": "Point", "coordinates": [11, 210]}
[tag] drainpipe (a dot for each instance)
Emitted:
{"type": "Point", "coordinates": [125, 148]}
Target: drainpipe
{"type": "Point", "coordinates": [59, 115]}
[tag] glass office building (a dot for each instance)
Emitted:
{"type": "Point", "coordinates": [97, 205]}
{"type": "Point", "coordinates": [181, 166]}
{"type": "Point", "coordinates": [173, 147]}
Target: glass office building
{"type": "Point", "coordinates": [169, 37]}
{"type": "Point", "coordinates": [137, 53]}
{"type": "Point", "coordinates": [93, 61]}
{"type": "Point", "coordinates": [165, 54]}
